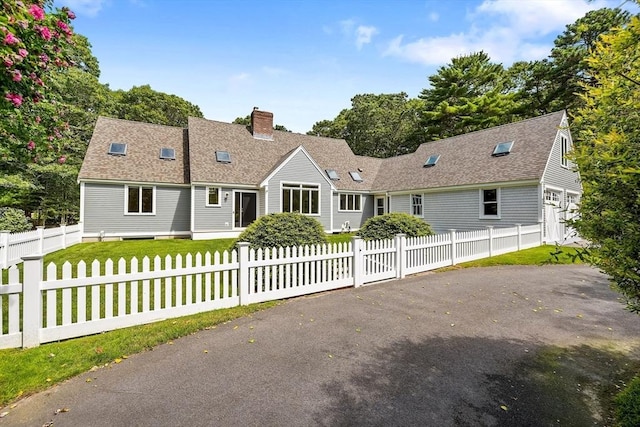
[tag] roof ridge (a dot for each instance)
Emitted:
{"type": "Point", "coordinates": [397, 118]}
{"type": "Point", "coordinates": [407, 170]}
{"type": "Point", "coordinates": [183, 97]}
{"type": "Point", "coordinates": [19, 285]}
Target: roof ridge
{"type": "Point", "coordinates": [139, 122]}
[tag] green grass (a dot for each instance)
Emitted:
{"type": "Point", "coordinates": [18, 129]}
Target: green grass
{"type": "Point", "coordinates": [534, 256]}
{"type": "Point", "coordinates": [27, 371]}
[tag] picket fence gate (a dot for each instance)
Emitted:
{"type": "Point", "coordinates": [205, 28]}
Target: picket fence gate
{"type": "Point", "coordinates": [59, 302]}
{"type": "Point", "coordinates": [14, 246]}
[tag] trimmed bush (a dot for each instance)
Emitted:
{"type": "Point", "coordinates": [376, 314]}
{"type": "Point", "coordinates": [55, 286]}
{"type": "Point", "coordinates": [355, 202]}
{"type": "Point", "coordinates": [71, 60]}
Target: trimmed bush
{"type": "Point", "coordinates": [388, 225]}
{"type": "Point", "coordinates": [628, 405]}
{"type": "Point", "coordinates": [14, 220]}
{"type": "Point", "coordinates": [282, 230]}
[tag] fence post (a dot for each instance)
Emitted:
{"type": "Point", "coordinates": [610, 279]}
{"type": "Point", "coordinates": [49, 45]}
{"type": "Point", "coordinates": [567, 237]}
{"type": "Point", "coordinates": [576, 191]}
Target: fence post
{"type": "Point", "coordinates": [454, 243]}
{"type": "Point", "coordinates": [358, 279]}
{"type": "Point", "coordinates": [4, 248]}
{"type": "Point", "coordinates": [243, 272]}
{"type": "Point", "coordinates": [63, 230]}
{"type": "Point", "coordinates": [401, 255]}
{"type": "Point", "coordinates": [32, 300]}
{"type": "Point", "coordinates": [519, 229]}
{"type": "Point", "coordinates": [40, 239]}
{"type": "Point", "coordinates": [490, 228]}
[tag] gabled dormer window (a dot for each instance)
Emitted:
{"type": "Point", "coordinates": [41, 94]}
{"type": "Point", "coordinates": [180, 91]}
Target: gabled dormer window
{"type": "Point", "coordinates": [356, 176]}
{"type": "Point", "coordinates": [431, 161]}
{"type": "Point", "coordinates": [223, 157]}
{"type": "Point", "coordinates": [502, 149]}
{"type": "Point", "coordinates": [332, 174]}
{"type": "Point", "coordinates": [167, 154]}
{"type": "Point", "coordinates": [117, 149]}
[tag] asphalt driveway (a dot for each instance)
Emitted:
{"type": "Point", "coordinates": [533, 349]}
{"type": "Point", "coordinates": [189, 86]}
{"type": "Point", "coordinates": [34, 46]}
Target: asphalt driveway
{"type": "Point", "coordinates": [493, 346]}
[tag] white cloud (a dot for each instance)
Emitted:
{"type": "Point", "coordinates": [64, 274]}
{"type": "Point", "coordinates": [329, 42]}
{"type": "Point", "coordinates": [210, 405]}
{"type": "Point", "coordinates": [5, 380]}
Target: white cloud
{"type": "Point", "coordinates": [507, 30]}
{"type": "Point", "coordinates": [364, 34]}
{"type": "Point", "coordinates": [84, 7]}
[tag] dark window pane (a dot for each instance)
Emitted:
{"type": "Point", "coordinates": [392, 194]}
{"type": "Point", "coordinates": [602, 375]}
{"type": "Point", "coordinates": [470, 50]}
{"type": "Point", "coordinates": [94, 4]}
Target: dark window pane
{"type": "Point", "coordinates": [214, 196]}
{"type": "Point", "coordinates": [315, 202]}
{"type": "Point", "coordinates": [305, 205]}
{"type": "Point", "coordinates": [356, 205]}
{"type": "Point", "coordinates": [147, 200]}
{"type": "Point", "coordinates": [343, 202]}
{"type": "Point", "coordinates": [295, 206]}
{"type": "Point", "coordinates": [490, 195]}
{"type": "Point", "coordinates": [134, 200]}
{"type": "Point", "coordinates": [286, 200]}
{"type": "Point", "coordinates": [491, 209]}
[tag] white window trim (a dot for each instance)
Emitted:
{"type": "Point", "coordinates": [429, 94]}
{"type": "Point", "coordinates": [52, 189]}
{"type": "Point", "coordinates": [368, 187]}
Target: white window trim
{"type": "Point", "coordinates": [126, 200]}
{"type": "Point", "coordinates": [482, 203]}
{"type": "Point", "coordinates": [411, 205]}
{"type": "Point", "coordinates": [349, 194]}
{"type": "Point", "coordinates": [315, 184]}
{"type": "Point", "coordinates": [206, 197]}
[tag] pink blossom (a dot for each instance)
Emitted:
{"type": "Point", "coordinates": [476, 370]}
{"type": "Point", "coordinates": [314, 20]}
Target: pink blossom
{"type": "Point", "coordinates": [70, 14]}
{"type": "Point", "coordinates": [36, 12]}
{"type": "Point", "coordinates": [44, 58]}
{"type": "Point", "coordinates": [31, 145]}
{"type": "Point", "coordinates": [23, 52]}
{"type": "Point", "coordinates": [14, 98]}
{"type": "Point", "coordinates": [38, 119]}
{"type": "Point", "coordinates": [17, 76]}
{"type": "Point", "coordinates": [45, 33]}
{"type": "Point", "coordinates": [64, 27]}
{"type": "Point", "coordinates": [10, 39]}
{"type": "Point", "coordinates": [8, 62]}
{"type": "Point", "coordinates": [62, 159]}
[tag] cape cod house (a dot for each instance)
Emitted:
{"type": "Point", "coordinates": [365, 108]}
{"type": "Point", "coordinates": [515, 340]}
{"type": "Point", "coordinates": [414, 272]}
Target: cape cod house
{"type": "Point", "coordinates": [212, 179]}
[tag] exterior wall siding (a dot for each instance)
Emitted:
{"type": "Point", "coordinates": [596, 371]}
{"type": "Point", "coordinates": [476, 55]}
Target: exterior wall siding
{"type": "Point", "coordinates": [300, 169]}
{"type": "Point", "coordinates": [460, 210]}
{"type": "Point", "coordinates": [104, 211]}
{"type": "Point", "coordinates": [212, 218]}
{"type": "Point", "coordinates": [555, 174]}
{"type": "Point", "coordinates": [356, 219]}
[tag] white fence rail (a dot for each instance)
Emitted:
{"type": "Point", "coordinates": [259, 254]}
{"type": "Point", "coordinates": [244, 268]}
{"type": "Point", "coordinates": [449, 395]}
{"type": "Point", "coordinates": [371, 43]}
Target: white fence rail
{"type": "Point", "coordinates": [14, 246]}
{"type": "Point", "coordinates": [60, 302]}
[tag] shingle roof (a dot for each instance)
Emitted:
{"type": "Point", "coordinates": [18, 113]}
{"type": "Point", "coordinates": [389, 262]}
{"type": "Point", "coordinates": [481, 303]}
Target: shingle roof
{"type": "Point", "coordinates": [466, 159]}
{"type": "Point", "coordinates": [142, 162]}
{"type": "Point", "coordinates": [253, 159]}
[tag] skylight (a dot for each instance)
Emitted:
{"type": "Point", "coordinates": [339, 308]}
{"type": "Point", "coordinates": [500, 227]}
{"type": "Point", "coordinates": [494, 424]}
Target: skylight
{"type": "Point", "coordinates": [356, 176]}
{"type": "Point", "coordinates": [332, 174]}
{"type": "Point", "coordinates": [117, 149]}
{"type": "Point", "coordinates": [502, 149]}
{"type": "Point", "coordinates": [223, 157]}
{"type": "Point", "coordinates": [431, 161]}
{"type": "Point", "coordinates": [167, 154]}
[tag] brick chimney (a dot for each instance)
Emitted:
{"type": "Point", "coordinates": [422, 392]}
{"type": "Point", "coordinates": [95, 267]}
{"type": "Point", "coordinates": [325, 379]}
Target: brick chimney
{"type": "Point", "coordinates": [261, 124]}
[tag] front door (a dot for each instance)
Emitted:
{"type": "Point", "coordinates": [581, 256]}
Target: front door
{"type": "Point", "coordinates": [245, 208]}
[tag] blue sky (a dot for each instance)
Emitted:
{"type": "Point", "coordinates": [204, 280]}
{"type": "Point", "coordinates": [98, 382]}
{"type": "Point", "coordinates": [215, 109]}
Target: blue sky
{"type": "Point", "coordinates": [305, 60]}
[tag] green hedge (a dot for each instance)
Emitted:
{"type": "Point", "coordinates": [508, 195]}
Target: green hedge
{"type": "Point", "coordinates": [628, 405]}
{"type": "Point", "coordinates": [282, 230]}
{"type": "Point", "coordinates": [14, 220]}
{"type": "Point", "coordinates": [388, 225]}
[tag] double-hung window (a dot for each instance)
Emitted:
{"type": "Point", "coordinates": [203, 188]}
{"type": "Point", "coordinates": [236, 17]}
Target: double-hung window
{"type": "Point", "coordinates": [564, 146]}
{"type": "Point", "coordinates": [490, 203]}
{"type": "Point", "coordinates": [140, 199]}
{"type": "Point", "coordinates": [416, 204]}
{"type": "Point", "coordinates": [302, 198]}
{"type": "Point", "coordinates": [350, 202]}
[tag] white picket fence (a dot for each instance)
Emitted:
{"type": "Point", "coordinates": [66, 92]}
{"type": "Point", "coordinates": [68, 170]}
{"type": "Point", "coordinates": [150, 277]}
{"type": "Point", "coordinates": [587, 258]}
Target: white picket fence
{"type": "Point", "coordinates": [70, 301]}
{"type": "Point", "coordinates": [14, 246]}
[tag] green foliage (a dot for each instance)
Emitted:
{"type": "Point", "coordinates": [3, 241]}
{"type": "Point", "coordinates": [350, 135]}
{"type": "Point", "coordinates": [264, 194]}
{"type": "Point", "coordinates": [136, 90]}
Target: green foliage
{"type": "Point", "coordinates": [628, 405]}
{"type": "Point", "coordinates": [607, 152]}
{"type": "Point", "coordinates": [247, 122]}
{"type": "Point", "coordinates": [283, 230]}
{"type": "Point", "coordinates": [388, 225]}
{"type": "Point", "coordinates": [13, 220]}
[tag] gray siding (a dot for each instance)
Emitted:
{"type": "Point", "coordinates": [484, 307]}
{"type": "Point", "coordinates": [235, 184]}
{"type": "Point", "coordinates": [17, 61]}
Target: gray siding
{"type": "Point", "coordinates": [104, 211]}
{"type": "Point", "coordinates": [400, 203]}
{"type": "Point", "coordinates": [555, 174]}
{"type": "Point", "coordinates": [461, 209]}
{"type": "Point", "coordinates": [300, 169]}
{"type": "Point", "coordinates": [356, 219]}
{"type": "Point", "coordinates": [212, 218]}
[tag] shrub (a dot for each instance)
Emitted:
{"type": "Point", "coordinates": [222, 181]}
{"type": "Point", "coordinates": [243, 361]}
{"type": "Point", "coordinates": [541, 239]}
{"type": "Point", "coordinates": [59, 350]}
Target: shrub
{"type": "Point", "coordinates": [388, 225]}
{"type": "Point", "coordinates": [628, 405]}
{"type": "Point", "coordinates": [282, 230]}
{"type": "Point", "coordinates": [14, 220]}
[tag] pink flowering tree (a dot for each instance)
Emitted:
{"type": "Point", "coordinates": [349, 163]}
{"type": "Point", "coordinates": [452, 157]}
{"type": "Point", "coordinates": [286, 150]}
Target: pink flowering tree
{"type": "Point", "coordinates": [35, 40]}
